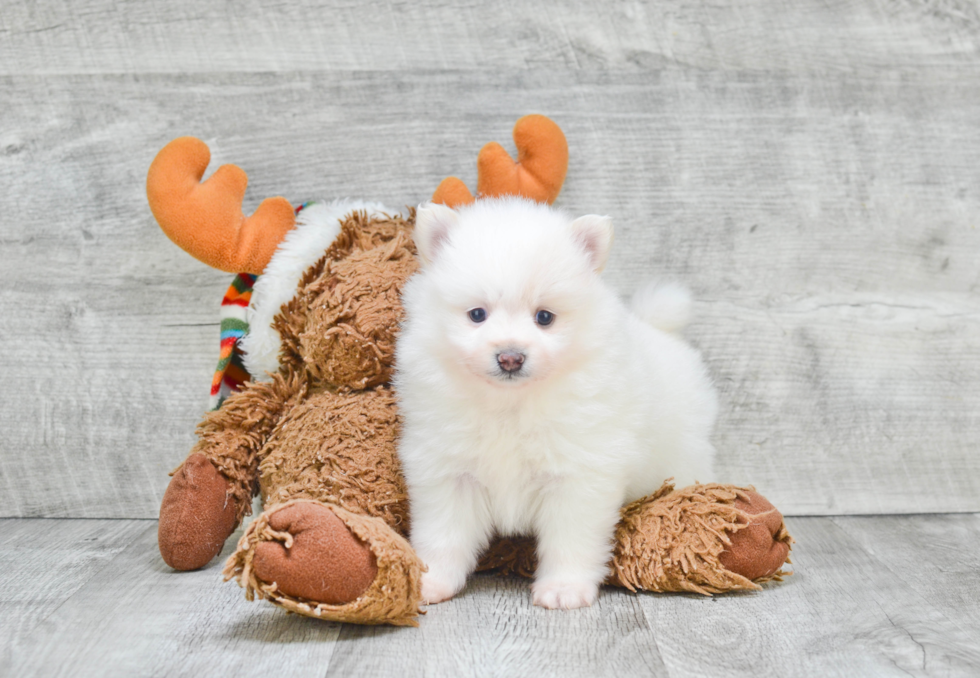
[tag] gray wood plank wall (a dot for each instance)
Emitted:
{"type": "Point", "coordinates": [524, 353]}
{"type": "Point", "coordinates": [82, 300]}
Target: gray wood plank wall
{"type": "Point", "coordinates": [811, 170]}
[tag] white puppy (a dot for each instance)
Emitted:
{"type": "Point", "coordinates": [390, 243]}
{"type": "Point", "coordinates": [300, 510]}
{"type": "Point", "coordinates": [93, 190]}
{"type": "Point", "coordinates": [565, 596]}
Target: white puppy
{"type": "Point", "coordinates": [534, 401]}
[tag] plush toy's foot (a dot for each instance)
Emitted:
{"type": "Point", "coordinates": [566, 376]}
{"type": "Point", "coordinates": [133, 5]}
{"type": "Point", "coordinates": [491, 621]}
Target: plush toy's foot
{"type": "Point", "coordinates": [197, 515]}
{"type": "Point", "coordinates": [703, 539]}
{"type": "Point", "coordinates": [322, 561]}
{"type": "Point", "coordinates": [761, 547]}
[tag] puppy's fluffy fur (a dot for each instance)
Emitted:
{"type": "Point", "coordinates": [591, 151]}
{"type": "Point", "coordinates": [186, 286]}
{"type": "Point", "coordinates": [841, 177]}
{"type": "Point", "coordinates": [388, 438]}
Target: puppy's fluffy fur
{"type": "Point", "coordinates": [605, 406]}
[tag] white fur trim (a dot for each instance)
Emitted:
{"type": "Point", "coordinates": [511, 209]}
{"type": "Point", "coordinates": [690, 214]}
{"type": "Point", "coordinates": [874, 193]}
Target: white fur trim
{"type": "Point", "coordinates": [316, 228]}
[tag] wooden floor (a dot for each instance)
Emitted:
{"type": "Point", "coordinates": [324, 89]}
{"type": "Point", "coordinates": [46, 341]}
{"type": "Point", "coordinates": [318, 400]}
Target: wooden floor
{"type": "Point", "coordinates": [872, 596]}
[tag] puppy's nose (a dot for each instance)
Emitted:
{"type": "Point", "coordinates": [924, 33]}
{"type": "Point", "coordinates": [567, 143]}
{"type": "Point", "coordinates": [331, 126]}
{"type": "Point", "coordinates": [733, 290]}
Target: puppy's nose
{"type": "Point", "coordinates": [510, 361]}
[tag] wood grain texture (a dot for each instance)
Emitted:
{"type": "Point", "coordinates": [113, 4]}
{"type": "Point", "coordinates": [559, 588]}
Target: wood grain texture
{"type": "Point", "coordinates": [827, 226]}
{"type": "Point", "coordinates": [44, 562]}
{"type": "Point", "coordinates": [938, 556]}
{"type": "Point", "coordinates": [494, 630]}
{"type": "Point", "coordinates": [94, 36]}
{"type": "Point", "coordinates": [137, 617]}
{"type": "Point", "coordinates": [871, 596]}
{"type": "Point", "coordinates": [845, 612]}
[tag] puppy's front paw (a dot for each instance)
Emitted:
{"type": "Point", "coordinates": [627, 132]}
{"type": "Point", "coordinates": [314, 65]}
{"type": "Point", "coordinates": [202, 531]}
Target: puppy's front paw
{"type": "Point", "coordinates": [564, 594]}
{"type": "Point", "coordinates": [436, 588]}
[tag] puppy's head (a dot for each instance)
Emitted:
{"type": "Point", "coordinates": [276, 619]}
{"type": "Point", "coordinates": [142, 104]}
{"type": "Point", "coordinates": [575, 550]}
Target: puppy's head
{"type": "Point", "coordinates": [508, 288]}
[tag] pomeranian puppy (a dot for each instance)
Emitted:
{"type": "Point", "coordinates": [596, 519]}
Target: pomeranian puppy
{"type": "Point", "coordinates": [534, 402]}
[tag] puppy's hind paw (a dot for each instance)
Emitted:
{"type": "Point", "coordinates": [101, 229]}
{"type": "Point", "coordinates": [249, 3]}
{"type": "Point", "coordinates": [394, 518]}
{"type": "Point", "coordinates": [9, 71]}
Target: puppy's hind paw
{"type": "Point", "coordinates": [564, 594]}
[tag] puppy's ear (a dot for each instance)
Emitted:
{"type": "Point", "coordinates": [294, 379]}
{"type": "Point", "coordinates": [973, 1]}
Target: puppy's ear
{"type": "Point", "coordinates": [595, 235]}
{"type": "Point", "coordinates": [433, 222]}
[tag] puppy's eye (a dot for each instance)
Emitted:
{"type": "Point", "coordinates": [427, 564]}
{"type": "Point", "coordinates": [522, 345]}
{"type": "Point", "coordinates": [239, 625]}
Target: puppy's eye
{"type": "Point", "coordinates": [544, 318]}
{"type": "Point", "coordinates": [477, 315]}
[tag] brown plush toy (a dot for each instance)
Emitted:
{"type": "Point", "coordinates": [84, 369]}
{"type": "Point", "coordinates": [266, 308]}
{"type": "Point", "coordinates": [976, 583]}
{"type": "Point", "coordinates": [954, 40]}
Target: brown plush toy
{"type": "Point", "coordinates": [316, 432]}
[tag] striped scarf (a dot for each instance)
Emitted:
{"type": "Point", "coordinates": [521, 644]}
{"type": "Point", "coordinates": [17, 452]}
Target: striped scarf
{"type": "Point", "coordinates": [231, 375]}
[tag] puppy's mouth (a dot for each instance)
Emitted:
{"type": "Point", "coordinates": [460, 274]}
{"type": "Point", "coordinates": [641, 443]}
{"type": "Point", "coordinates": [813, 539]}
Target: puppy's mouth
{"type": "Point", "coordinates": [510, 377]}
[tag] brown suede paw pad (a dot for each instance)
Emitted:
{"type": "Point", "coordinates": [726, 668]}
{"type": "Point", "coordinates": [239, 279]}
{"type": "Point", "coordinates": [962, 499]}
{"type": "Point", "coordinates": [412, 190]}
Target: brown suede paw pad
{"type": "Point", "coordinates": [197, 515]}
{"type": "Point", "coordinates": [324, 562]}
{"type": "Point", "coordinates": [759, 549]}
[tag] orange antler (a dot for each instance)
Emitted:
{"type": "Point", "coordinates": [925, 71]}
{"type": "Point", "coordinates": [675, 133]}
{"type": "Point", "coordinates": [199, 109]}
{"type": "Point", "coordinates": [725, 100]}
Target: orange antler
{"type": "Point", "coordinates": [542, 160]}
{"type": "Point", "coordinates": [205, 219]}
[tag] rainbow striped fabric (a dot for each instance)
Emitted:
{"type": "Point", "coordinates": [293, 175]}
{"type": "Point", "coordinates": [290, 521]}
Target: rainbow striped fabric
{"type": "Point", "coordinates": [231, 374]}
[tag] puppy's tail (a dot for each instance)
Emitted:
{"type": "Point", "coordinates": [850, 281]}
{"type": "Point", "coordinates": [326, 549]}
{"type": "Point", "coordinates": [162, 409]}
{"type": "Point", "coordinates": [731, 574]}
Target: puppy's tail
{"type": "Point", "coordinates": [664, 305]}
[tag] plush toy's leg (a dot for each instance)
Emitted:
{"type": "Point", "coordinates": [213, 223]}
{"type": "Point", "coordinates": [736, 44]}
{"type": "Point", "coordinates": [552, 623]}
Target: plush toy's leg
{"type": "Point", "coordinates": [198, 513]}
{"type": "Point", "coordinates": [703, 538]}
{"type": "Point", "coordinates": [761, 547]}
{"type": "Point", "coordinates": [323, 561]}
{"type": "Point", "coordinates": [212, 490]}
